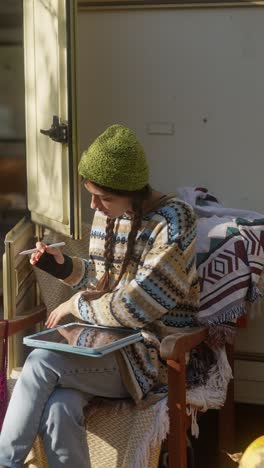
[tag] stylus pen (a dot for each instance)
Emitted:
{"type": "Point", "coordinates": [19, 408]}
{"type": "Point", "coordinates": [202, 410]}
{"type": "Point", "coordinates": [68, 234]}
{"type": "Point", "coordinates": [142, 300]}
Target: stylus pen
{"type": "Point", "coordinates": [30, 251]}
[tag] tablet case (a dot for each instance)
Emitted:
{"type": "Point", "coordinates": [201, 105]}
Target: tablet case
{"type": "Point", "coordinates": [34, 341]}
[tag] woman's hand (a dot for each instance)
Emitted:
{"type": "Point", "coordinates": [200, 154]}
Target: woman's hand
{"type": "Point", "coordinates": [42, 247]}
{"type": "Point", "coordinates": [57, 314]}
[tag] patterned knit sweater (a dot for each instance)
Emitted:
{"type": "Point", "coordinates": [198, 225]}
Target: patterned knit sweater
{"type": "Point", "coordinates": [159, 288]}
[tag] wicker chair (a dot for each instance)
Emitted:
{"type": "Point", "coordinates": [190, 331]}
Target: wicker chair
{"type": "Point", "coordinates": [173, 350]}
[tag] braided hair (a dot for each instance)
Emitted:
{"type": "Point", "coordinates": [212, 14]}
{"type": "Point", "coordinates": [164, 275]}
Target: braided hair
{"type": "Point", "coordinates": [138, 197]}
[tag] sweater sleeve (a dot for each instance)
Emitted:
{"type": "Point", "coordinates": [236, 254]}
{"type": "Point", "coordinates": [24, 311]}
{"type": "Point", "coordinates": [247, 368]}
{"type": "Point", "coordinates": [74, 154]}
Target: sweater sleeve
{"type": "Point", "coordinates": [163, 280]}
{"type": "Point", "coordinates": [75, 272]}
{"type": "Point", "coordinates": [48, 264]}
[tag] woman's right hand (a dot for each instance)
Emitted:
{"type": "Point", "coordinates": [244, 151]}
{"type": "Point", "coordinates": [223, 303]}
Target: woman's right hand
{"type": "Point", "coordinates": [42, 247]}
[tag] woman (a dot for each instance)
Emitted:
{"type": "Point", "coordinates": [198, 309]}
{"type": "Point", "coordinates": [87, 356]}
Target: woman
{"type": "Point", "coordinates": [140, 274]}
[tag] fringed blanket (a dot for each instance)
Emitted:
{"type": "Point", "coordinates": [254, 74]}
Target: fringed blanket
{"type": "Point", "coordinates": [230, 261]}
{"type": "Point", "coordinates": [230, 256]}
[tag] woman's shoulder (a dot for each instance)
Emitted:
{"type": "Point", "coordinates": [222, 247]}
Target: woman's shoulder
{"type": "Point", "coordinates": [174, 208]}
{"type": "Point", "coordinates": [174, 217]}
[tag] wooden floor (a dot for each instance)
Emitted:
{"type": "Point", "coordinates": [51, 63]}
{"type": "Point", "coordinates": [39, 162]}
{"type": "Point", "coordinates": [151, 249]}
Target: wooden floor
{"type": "Point", "coordinates": [249, 426]}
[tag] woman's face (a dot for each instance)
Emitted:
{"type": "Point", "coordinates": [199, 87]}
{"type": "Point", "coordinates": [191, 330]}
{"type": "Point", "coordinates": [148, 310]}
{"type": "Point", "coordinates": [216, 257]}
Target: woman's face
{"type": "Point", "coordinates": [108, 203]}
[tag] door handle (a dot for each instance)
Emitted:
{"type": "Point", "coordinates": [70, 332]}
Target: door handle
{"type": "Point", "coordinates": [58, 131]}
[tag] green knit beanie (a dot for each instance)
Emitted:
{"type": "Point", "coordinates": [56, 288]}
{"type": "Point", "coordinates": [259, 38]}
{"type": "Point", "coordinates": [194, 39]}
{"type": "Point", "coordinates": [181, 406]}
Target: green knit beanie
{"type": "Point", "coordinates": [116, 160]}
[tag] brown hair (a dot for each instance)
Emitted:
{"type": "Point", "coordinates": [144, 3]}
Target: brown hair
{"type": "Point", "coordinates": [137, 197]}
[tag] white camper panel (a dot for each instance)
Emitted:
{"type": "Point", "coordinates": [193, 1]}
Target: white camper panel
{"type": "Point", "coordinates": [190, 83]}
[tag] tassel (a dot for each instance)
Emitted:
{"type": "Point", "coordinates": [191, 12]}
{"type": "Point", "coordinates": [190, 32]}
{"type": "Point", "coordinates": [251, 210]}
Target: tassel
{"type": "Point", "coordinates": [192, 411]}
{"type": "Point", "coordinates": [236, 457]}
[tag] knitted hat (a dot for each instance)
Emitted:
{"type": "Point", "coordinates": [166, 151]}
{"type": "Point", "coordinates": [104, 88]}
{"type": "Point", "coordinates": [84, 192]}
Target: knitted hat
{"type": "Point", "coordinates": [116, 160]}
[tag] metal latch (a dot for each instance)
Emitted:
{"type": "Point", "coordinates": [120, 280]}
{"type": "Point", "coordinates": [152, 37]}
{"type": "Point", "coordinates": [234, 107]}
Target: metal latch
{"type": "Point", "coordinates": [58, 131]}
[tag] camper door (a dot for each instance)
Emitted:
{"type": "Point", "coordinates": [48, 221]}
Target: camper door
{"type": "Point", "coordinates": [51, 116]}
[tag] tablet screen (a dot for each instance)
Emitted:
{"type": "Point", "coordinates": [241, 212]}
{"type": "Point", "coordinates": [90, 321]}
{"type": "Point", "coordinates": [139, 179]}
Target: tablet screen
{"type": "Point", "coordinates": [84, 336]}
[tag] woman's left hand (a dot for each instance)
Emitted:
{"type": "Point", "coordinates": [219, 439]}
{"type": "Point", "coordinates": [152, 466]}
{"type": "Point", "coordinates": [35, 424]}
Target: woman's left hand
{"type": "Point", "coordinates": [57, 314]}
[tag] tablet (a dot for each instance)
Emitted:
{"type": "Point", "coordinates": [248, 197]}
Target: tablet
{"type": "Point", "coordinates": [83, 339]}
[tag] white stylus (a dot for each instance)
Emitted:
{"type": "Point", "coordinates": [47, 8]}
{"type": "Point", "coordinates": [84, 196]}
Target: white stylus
{"type": "Point", "coordinates": [30, 251]}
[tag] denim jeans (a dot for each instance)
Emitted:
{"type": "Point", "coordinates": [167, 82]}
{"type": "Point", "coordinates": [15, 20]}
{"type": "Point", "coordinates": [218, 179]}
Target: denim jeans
{"type": "Point", "coordinates": [49, 398]}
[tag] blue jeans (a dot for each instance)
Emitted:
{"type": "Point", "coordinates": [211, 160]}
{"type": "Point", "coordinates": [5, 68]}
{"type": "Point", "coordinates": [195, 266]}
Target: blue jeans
{"type": "Point", "coordinates": [48, 399]}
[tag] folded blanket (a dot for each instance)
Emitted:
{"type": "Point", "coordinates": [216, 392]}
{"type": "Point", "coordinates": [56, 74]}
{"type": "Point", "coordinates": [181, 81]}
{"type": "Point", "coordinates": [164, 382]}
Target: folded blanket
{"type": "Point", "coordinates": [230, 262]}
{"type": "Point", "coordinates": [230, 256]}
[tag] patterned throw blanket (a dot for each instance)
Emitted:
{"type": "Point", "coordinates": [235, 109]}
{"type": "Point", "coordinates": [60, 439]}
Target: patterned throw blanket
{"type": "Point", "coordinates": [230, 256]}
{"type": "Point", "coordinates": [230, 261]}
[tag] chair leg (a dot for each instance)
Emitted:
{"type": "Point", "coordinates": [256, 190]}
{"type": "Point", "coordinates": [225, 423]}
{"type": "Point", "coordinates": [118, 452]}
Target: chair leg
{"type": "Point", "coordinates": [190, 454]}
{"type": "Point", "coordinates": [177, 447]}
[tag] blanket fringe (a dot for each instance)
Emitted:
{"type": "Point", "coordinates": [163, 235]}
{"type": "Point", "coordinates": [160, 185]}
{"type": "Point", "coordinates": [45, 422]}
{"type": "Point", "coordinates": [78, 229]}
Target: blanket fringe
{"type": "Point", "coordinates": [226, 316]}
{"type": "Point", "coordinates": [253, 294]}
{"type": "Point", "coordinates": [154, 436]}
{"type": "Point", "coordinates": [213, 393]}
{"type": "Point", "coordinates": [192, 411]}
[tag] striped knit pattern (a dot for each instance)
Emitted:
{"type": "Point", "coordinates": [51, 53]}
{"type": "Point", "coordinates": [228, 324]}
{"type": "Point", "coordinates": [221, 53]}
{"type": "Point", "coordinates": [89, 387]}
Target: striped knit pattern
{"type": "Point", "coordinates": [159, 288]}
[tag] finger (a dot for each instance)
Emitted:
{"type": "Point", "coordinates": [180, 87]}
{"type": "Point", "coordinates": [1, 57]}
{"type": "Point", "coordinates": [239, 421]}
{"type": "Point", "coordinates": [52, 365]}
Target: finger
{"type": "Point", "coordinates": [35, 257]}
{"type": "Point", "coordinates": [50, 324]}
{"type": "Point", "coordinates": [52, 250]}
{"type": "Point", "coordinates": [58, 255]}
{"type": "Point", "coordinates": [47, 323]}
{"type": "Point", "coordinates": [41, 246]}
{"type": "Point", "coordinates": [38, 255]}
{"type": "Point", "coordinates": [49, 320]}
{"type": "Point", "coordinates": [53, 319]}
{"type": "Point", "coordinates": [55, 322]}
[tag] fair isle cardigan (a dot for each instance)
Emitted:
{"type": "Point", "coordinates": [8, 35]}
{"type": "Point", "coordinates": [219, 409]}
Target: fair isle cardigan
{"type": "Point", "coordinates": [159, 288]}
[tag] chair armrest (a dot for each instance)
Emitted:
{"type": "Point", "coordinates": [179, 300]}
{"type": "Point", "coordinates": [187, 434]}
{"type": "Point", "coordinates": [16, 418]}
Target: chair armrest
{"type": "Point", "coordinates": [36, 315]}
{"type": "Point", "coordinates": [176, 345]}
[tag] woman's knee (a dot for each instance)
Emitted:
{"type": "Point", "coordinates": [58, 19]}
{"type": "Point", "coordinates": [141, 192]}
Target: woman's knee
{"type": "Point", "coordinates": [38, 355]}
{"type": "Point", "coordinates": [41, 362]}
{"type": "Point", "coordinates": [64, 406]}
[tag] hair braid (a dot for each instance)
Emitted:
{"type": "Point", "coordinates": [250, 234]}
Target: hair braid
{"type": "Point", "coordinates": [103, 283]}
{"type": "Point", "coordinates": [108, 245]}
{"type": "Point", "coordinates": [136, 223]}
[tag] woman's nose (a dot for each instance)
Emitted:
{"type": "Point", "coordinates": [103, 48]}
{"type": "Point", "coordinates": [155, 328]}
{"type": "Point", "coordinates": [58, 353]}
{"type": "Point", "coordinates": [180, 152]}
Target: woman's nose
{"type": "Point", "coordinates": [94, 202]}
